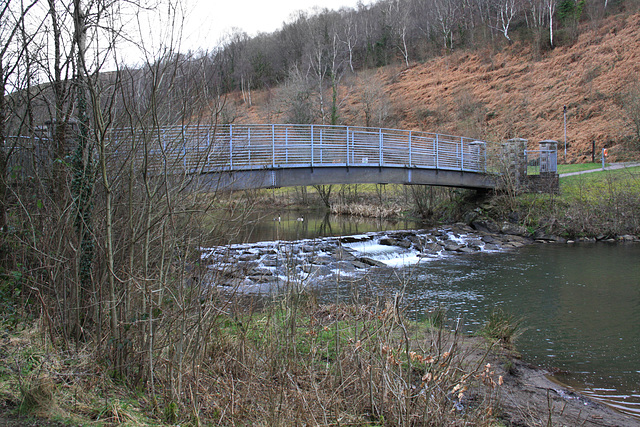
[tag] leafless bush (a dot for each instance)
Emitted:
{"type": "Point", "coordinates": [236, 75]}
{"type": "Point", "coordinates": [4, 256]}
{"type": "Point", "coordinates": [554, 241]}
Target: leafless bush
{"type": "Point", "coordinates": [610, 211]}
{"type": "Point", "coordinates": [508, 164]}
{"type": "Point", "coordinates": [366, 210]}
{"type": "Point", "coordinates": [356, 364]}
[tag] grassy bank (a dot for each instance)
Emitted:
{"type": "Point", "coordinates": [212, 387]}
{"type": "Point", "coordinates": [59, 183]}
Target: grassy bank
{"type": "Point", "coordinates": [292, 363]}
{"type": "Point", "coordinates": [597, 204]}
{"type": "Point", "coordinates": [295, 362]}
{"type": "Point", "coordinates": [384, 201]}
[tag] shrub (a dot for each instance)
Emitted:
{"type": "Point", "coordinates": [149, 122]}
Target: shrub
{"type": "Point", "coordinates": [502, 326]}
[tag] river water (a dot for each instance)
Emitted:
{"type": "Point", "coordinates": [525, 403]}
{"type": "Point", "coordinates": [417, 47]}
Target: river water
{"type": "Point", "coordinates": [580, 302]}
{"type": "Point", "coordinates": [298, 225]}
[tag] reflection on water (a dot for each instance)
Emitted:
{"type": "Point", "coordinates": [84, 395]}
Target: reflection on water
{"type": "Point", "coordinates": [271, 225]}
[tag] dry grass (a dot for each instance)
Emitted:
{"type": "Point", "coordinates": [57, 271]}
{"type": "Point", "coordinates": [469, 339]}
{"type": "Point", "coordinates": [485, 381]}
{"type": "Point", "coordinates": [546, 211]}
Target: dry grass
{"type": "Point", "coordinates": [514, 92]}
{"type": "Point", "coordinates": [292, 363]}
{"type": "Point", "coordinates": [340, 364]}
{"type": "Point", "coordinates": [366, 210]}
{"type": "Point", "coordinates": [524, 96]}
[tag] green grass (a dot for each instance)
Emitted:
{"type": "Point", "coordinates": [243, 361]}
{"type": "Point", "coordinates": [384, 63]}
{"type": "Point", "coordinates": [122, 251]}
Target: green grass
{"type": "Point", "coordinates": [588, 205]}
{"type": "Point", "coordinates": [579, 167]}
{"type": "Point", "coordinates": [597, 183]}
{"type": "Point", "coordinates": [590, 186]}
{"type": "Point", "coordinates": [502, 326]}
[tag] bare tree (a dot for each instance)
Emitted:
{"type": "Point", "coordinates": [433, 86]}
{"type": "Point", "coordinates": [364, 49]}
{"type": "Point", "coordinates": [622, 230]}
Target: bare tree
{"type": "Point", "coordinates": [537, 13]}
{"type": "Point", "coordinates": [325, 62]}
{"type": "Point", "coordinates": [446, 14]}
{"type": "Point", "coordinates": [504, 13]}
{"type": "Point", "coordinates": [12, 52]}
{"type": "Point", "coordinates": [400, 13]}
{"type": "Point", "coordinates": [297, 98]}
{"type": "Point", "coordinates": [319, 57]}
{"type": "Point", "coordinates": [375, 103]}
{"type": "Point", "coordinates": [349, 36]}
{"type": "Point", "coordinates": [551, 10]}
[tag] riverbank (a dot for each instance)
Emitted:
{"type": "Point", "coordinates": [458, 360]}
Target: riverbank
{"type": "Point", "coordinates": [596, 204]}
{"type": "Point", "coordinates": [318, 259]}
{"type": "Point", "coordinates": [220, 358]}
{"type": "Point", "coordinates": [530, 397]}
{"type": "Point", "coordinates": [304, 363]}
{"type": "Point", "coordinates": [599, 205]}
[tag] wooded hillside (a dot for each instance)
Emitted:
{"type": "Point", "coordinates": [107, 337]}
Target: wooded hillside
{"type": "Point", "coordinates": [492, 93]}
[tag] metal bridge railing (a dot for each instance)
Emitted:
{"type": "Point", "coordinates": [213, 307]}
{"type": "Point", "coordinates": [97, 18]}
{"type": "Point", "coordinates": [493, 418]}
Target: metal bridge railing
{"type": "Point", "coordinates": [202, 149]}
{"type": "Point", "coordinates": [27, 157]}
{"type": "Point", "coordinates": [541, 161]}
{"type": "Point", "coordinates": [194, 149]}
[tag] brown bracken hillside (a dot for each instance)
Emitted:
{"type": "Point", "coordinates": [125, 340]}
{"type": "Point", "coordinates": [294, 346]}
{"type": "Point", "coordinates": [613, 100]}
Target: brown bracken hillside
{"type": "Point", "coordinates": [512, 92]}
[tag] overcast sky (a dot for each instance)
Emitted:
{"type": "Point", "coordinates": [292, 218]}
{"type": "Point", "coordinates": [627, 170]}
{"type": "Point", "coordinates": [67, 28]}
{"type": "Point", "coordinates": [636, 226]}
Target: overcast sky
{"type": "Point", "coordinates": [209, 20]}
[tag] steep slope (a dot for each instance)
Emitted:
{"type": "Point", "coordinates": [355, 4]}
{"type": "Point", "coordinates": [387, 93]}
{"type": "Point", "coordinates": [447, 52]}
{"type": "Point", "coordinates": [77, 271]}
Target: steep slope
{"type": "Point", "coordinates": [497, 94]}
{"type": "Point", "coordinates": [511, 93]}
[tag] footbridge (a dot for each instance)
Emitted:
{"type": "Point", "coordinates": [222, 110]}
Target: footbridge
{"type": "Point", "coordinates": [236, 157]}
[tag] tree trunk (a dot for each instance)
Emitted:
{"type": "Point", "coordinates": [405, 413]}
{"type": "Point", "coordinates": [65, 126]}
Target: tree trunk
{"type": "Point", "coordinates": [3, 155]}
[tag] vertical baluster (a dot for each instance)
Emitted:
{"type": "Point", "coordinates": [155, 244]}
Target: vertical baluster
{"type": "Point", "coordinates": [273, 145]}
{"type": "Point", "coordinates": [163, 151]}
{"type": "Point", "coordinates": [347, 159]}
{"type": "Point", "coordinates": [321, 144]}
{"type": "Point", "coordinates": [484, 169]}
{"type": "Point", "coordinates": [437, 149]}
{"type": "Point", "coordinates": [208, 146]}
{"type": "Point", "coordinates": [380, 147]}
{"type": "Point", "coordinates": [184, 150]}
{"type": "Point", "coordinates": [461, 153]}
{"type": "Point", "coordinates": [230, 147]}
{"type": "Point", "coordinates": [311, 145]}
{"type": "Point", "coordinates": [348, 147]}
{"type": "Point", "coordinates": [410, 160]}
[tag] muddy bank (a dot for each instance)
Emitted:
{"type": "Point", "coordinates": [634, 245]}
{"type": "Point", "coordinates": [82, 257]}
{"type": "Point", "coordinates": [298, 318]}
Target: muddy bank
{"type": "Point", "coordinates": [530, 397]}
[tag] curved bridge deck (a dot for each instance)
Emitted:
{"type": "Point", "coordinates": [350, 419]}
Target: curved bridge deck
{"type": "Point", "coordinates": [279, 155]}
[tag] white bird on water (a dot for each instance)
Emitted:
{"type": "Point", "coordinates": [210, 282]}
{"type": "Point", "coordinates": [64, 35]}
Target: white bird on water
{"type": "Point", "coordinates": [300, 219]}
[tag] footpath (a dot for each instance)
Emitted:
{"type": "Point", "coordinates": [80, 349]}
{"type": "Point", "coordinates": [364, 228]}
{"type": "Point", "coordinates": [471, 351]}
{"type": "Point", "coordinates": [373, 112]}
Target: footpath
{"type": "Point", "coordinates": [611, 166]}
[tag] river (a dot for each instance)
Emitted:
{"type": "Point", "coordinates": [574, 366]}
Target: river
{"type": "Point", "coordinates": [580, 302]}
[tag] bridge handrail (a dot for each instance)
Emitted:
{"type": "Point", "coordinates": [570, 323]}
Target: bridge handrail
{"type": "Point", "coordinates": [258, 146]}
{"type": "Point", "coordinates": [541, 161]}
